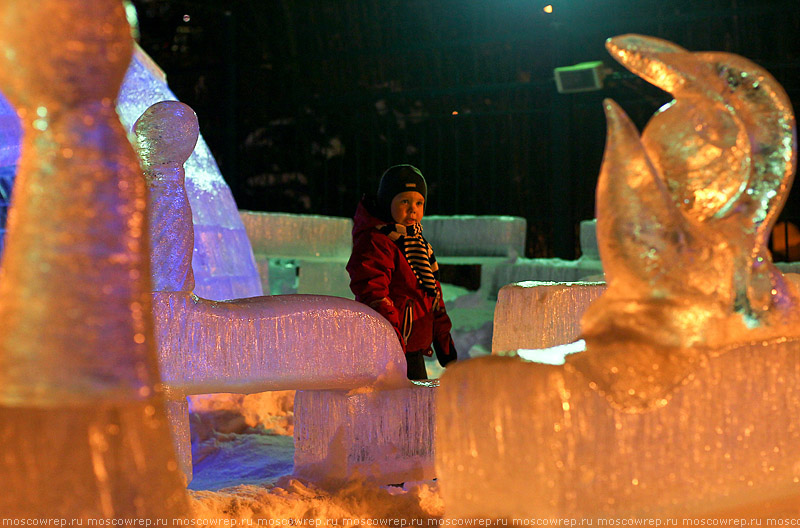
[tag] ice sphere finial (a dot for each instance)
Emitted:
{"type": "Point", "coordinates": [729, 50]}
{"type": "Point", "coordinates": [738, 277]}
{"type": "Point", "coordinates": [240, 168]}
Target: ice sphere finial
{"type": "Point", "coordinates": [77, 357]}
{"type": "Point", "coordinates": [683, 218]}
{"type": "Point", "coordinates": [166, 134]}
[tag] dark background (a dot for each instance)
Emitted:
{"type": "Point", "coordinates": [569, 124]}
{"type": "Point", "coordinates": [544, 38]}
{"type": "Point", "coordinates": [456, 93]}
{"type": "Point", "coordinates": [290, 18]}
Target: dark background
{"type": "Point", "coordinates": [304, 103]}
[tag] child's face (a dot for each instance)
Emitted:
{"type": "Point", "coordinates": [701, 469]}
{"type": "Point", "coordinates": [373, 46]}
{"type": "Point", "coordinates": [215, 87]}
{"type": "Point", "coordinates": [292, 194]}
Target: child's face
{"type": "Point", "coordinates": [407, 208]}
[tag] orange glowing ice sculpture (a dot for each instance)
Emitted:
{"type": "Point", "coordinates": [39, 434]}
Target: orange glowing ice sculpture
{"type": "Point", "coordinates": [684, 215]}
{"type": "Point", "coordinates": [82, 419]}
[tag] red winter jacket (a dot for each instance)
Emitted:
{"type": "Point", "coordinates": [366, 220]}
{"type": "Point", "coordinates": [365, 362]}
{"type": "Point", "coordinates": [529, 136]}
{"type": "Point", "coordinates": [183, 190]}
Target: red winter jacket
{"type": "Point", "coordinates": [382, 278]}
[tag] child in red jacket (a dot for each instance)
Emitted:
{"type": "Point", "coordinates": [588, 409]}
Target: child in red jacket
{"type": "Point", "coordinates": [393, 270]}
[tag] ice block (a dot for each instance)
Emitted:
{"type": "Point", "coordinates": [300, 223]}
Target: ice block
{"type": "Point", "coordinates": [526, 440]}
{"type": "Point", "coordinates": [544, 270]}
{"type": "Point", "coordinates": [465, 235]}
{"type": "Point", "coordinates": [384, 435]}
{"type": "Point", "coordinates": [304, 253]}
{"type": "Point", "coordinates": [277, 235]}
{"type": "Point", "coordinates": [541, 314]}
{"type": "Point", "coordinates": [273, 343]}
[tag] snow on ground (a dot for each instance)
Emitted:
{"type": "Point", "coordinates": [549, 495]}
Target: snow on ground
{"type": "Point", "coordinates": [242, 450]}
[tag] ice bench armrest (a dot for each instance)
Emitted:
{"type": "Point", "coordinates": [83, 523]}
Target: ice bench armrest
{"type": "Point", "coordinates": [286, 342]}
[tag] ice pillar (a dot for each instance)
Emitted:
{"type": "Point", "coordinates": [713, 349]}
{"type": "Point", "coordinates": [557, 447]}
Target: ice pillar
{"type": "Point", "coordinates": [166, 134]}
{"type": "Point", "coordinates": [82, 423]}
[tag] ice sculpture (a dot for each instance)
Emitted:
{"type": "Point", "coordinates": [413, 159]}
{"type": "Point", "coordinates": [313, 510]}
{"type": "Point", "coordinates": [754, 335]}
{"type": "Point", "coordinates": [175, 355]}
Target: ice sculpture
{"type": "Point", "coordinates": [81, 417]}
{"type": "Point", "coordinates": [683, 401]}
{"type": "Point", "coordinates": [301, 253]}
{"type": "Point", "coordinates": [683, 220]}
{"type": "Point", "coordinates": [284, 342]}
{"type": "Point", "coordinates": [467, 235]}
{"type": "Point", "coordinates": [223, 261]}
{"type": "Point", "coordinates": [166, 134]}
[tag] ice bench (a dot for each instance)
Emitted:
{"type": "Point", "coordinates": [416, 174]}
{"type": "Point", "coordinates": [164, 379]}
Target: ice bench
{"type": "Point", "coordinates": [300, 253]}
{"type": "Point", "coordinates": [329, 347]}
{"type": "Point", "coordinates": [308, 253]}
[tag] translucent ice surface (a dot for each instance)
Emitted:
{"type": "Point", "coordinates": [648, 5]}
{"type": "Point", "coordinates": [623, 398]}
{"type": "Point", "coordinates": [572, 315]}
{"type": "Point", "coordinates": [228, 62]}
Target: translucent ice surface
{"type": "Point", "coordinates": [81, 414]}
{"type": "Point", "coordinates": [491, 236]}
{"type": "Point", "coordinates": [165, 136]}
{"type": "Point", "coordinates": [544, 270]}
{"type": "Point", "coordinates": [541, 314]}
{"type": "Point", "coordinates": [276, 235]}
{"type": "Point", "coordinates": [546, 445]}
{"type": "Point", "coordinates": [10, 134]}
{"type": "Point", "coordinates": [273, 343]}
{"type": "Point", "coordinates": [683, 217]}
{"type": "Point", "coordinates": [682, 400]}
{"type": "Point", "coordinates": [384, 435]}
{"type": "Point", "coordinates": [223, 263]}
{"type": "Point", "coordinates": [301, 253]}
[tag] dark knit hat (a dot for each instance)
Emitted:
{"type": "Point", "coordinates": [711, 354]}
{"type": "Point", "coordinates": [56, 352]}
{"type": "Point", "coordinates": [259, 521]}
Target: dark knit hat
{"type": "Point", "coordinates": [398, 179]}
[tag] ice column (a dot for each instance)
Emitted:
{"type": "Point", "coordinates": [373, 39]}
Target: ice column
{"type": "Point", "coordinates": [166, 134]}
{"type": "Point", "coordinates": [84, 431]}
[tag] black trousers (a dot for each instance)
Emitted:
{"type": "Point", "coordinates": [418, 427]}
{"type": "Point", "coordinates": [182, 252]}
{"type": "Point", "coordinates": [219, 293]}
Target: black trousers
{"type": "Point", "coordinates": [416, 366]}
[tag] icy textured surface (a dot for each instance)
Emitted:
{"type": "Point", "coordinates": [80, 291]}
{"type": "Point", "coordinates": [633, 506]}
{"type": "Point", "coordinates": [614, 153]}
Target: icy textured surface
{"type": "Point", "coordinates": [10, 134]}
{"type": "Point", "coordinates": [301, 253]}
{"type": "Point", "coordinates": [276, 235]}
{"type": "Point", "coordinates": [683, 402]}
{"type": "Point", "coordinates": [166, 134]}
{"type": "Point", "coordinates": [493, 236]}
{"type": "Point", "coordinates": [385, 435]}
{"type": "Point", "coordinates": [588, 239]}
{"type": "Point", "coordinates": [324, 277]}
{"type": "Point", "coordinates": [223, 261]}
{"type": "Point", "coordinates": [728, 438]}
{"type": "Point", "coordinates": [273, 343]}
{"type": "Point", "coordinates": [683, 218]}
{"type": "Point", "coordinates": [541, 269]}
{"type": "Point", "coordinates": [541, 314]}
{"type": "Point", "coordinates": [77, 358]}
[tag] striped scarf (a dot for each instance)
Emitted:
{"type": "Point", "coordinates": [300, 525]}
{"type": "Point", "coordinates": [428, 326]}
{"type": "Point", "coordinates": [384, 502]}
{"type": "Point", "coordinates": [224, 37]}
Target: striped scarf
{"type": "Point", "coordinates": [418, 253]}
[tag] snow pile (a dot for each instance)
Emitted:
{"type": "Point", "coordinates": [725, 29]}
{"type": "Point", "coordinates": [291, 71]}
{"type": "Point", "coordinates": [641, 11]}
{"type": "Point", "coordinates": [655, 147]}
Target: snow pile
{"type": "Point", "coordinates": [297, 502]}
{"type": "Point", "coordinates": [242, 451]}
